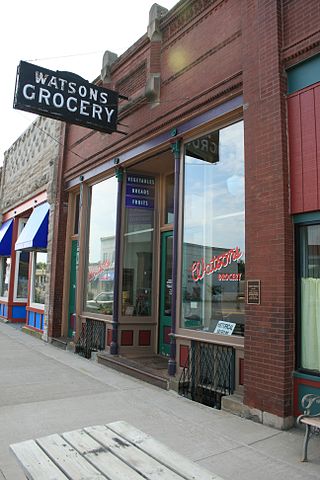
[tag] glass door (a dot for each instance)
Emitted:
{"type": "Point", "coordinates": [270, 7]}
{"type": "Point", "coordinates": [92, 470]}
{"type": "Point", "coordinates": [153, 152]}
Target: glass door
{"type": "Point", "coordinates": [165, 293]}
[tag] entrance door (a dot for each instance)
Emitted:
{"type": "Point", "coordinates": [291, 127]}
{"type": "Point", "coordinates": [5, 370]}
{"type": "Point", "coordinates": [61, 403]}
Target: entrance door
{"type": "Point", "coordinates": [72, 288]}
{"type": "Point", "coordinates": [165, 293]}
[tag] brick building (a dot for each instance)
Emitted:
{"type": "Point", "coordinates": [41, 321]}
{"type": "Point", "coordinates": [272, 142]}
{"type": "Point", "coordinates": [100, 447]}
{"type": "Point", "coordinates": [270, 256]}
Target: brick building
{"type": "Point", "coordinates": [27, 204]}
{"type": "Point", "coordinates": [193, 233]}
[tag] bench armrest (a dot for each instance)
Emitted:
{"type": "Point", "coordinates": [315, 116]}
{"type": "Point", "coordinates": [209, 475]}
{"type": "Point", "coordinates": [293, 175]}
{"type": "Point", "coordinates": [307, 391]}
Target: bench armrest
{"type": "Point", "coordinates": [308, 402]}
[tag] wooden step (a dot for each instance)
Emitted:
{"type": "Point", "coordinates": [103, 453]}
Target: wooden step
{"type": "Point", "coordinates": [134, 369]}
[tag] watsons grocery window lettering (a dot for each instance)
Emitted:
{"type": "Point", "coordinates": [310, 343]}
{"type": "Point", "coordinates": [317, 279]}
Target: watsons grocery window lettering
{"type": "Point", "coordinates": [65, 96]}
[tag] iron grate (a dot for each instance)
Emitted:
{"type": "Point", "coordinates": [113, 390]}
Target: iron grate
{"type": "Point", "coordinates": [208, 374]}
{"type": "Point", "coordinates": [92, 338]}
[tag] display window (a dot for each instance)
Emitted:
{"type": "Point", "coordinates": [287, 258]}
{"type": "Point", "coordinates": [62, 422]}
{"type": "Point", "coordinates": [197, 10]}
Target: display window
{"type": "Point", "coordinates": [22, 270]}
{"type": "Point", "coordinates": [213, 249]}
{"type": "Point", "coordinates": [38, 279]}
{"type": "Point", "coordinates": [5, 267]}
{"type": "Point", "coordinates": [309, 286]}
{"type": "Point", "coordinates": [101, 251]}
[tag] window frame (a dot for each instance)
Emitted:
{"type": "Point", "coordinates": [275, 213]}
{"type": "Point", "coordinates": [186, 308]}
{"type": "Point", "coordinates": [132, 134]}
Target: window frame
{"type": "Point", "coordinates": [189, 332]}
{"type": "Point", "coordinates": [22, 224]}
{"type": "Point", "coordinates": [301, 220]}
{"type": "Point", "coordinates": [32, 260]}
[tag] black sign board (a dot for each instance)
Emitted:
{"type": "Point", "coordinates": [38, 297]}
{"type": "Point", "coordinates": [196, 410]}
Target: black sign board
{"type": "Point", "coordinates": [205, 148]}
{"type": "Point", "coordinates": [253, 292]}
{"type": "Point", "coordinates": [65, 96]}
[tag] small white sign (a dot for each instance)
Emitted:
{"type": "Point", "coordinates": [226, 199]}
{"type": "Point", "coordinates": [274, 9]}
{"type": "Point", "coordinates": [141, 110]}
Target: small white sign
{"type": "Point", "coordinates": [224, 328]}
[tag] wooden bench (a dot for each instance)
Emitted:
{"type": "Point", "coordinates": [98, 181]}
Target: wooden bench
{"type": "Point", "coordinates": [117, 451]}
{"type": "Point", "coordinates": [310, 403]}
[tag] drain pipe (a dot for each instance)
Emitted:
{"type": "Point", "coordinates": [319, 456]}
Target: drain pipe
{"type": "Point", "coordinates": [172, 364]}
{"type": "Point", "coordinates": [115, 313]}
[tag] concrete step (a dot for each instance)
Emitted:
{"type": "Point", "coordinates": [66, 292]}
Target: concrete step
{"type": "Point", "coordinates": [61, 342]}
{"type": "Point", "coordinates": [156, 377]}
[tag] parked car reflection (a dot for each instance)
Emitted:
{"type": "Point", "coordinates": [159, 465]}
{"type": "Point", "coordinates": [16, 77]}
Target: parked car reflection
{"type": "Point", "coordinates": [102, 302]}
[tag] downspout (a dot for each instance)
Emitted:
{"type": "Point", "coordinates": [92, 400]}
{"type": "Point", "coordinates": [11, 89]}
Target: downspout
{"type": "Point", "coordinates": [115, 322]}
{"type": "Point", "coordinates": [172, 364]}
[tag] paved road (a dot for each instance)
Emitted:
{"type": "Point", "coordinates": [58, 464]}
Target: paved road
{"type": "Point", "coordinates": [46, 390]}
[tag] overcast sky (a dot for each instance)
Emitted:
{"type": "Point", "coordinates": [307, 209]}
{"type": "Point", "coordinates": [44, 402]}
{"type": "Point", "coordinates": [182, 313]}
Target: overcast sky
{"type": "Point", "coordinates": [67, 35]}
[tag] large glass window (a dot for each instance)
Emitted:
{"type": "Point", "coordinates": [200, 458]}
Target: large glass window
{"type": "Point", "coordinates": [39, 277]}
{"type": "Point", "coordinates": [22, 269]}
{"type": "Point", "coordinates": [213, 263]}
{"type": "Point", "coordinates": [5, 266]}
{"type": "Point", "coordinates": [310, 296]}
{"type": "Point", "coordinates": [100, 273]}
{"type": "Point", "coordinates": [22, 275]}
{"type": "Point", "coordinates": [138, 245]}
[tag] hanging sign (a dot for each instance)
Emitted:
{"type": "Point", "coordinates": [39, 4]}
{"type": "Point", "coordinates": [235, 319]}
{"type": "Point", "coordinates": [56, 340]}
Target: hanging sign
{"type": "Point", "coordinates": [65, 96]}
{"type": "Point", "coordinates": [140, 191]}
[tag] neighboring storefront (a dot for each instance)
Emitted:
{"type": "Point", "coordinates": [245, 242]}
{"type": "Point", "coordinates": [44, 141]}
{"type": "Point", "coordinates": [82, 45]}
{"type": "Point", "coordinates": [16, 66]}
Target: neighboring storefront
{"type": "Point", "coordinates": [175, 236]}
{"type": "Point", "coordinates": [304, 138]}
{"type": "Point", "coordinates": [27, 191]}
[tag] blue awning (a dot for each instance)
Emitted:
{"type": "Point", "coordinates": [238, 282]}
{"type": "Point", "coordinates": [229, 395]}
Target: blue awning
{"type": "Point", "coordinates": [35, 233]}
{"type": "Point", "coordinates": [6, 238]}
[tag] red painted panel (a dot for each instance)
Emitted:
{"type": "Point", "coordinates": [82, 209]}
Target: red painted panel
{"type": "Point", "coordinates": [317, 127]}
{"type": "Point", "coordinates": [309, 158]}
{"type": "Point", "coordinates": [166, 335]}
{"type": "Point", "coordinates": [144, 338]}
{"type": "Point", "coordinates": [304, 149]}
{"type": "Point", "coordinates": [241, 371]}
{"type": "Point", "coordinates": [295, 154]}
{"type": "Point", "coordinates": [183, 357]}
{"type": "Point", "coordinates": [127, 338]}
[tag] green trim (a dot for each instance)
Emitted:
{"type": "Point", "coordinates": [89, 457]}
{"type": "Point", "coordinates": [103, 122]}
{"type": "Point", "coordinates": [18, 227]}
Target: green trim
{"type": "Point", "coordinates": [306, 217]}
{"type": "Point", "coordinates": [164, 320]}
{"type": "Point", "coordinates": [304, 74]}
{"type": "Point", "coordinates": [305, 376]}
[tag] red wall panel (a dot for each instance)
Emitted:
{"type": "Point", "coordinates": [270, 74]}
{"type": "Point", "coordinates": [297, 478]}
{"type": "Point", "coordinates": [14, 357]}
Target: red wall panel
{"type": "Point", "coordinates": [304, 149]}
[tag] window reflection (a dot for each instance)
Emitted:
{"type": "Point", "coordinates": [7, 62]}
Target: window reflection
{"type": "Point", "coordinates": [213, 236]}
{"type": "Point", "coordinates": [310, 296]}
{"type": "Point", "coordinates": [23, 273]}
{"type": "Point", "coordinates": [100, 278]}
{"type": "Point", "coordinates": [39, 277]}
{"type": "Point", "coordinates": [5, 263]}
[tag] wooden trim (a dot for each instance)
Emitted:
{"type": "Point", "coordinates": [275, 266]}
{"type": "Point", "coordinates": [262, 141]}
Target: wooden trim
{"type": "Point", "coordinates": [67, 260]}
{"type": "Point", "coordinates": [23, 207]}
{"type": "Point", "coordinates": [235, 342]}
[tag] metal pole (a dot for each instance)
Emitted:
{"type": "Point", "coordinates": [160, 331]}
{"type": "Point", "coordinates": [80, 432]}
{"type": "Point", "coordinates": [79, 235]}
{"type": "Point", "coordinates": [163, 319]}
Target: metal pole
{"type": "Point", "coordinates": [172, 364]}
{"type": "Point", "coordinates": [114, 341]}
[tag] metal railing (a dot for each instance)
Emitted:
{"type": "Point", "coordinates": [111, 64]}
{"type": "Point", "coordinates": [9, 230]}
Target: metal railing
{"type": "Point", "coordinates": [92, 338]}
{"type": "Point", "coordinates": [208, 374]}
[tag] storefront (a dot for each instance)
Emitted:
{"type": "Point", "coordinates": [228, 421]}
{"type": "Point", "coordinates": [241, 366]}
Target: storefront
{"type": "Point", "coordinates": [23, 263]}
{"type": "Point", "coordinates": [303, 115]}
{"type": "Point", "coordinates": [175, 233]}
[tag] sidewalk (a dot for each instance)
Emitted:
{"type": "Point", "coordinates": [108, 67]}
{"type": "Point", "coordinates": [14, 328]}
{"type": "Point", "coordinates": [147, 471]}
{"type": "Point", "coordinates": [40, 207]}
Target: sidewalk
{"type": "Point", "coordinates": [46, 390]}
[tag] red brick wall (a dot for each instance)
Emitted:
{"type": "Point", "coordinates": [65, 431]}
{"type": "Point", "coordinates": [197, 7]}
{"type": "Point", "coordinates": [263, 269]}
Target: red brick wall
{"type": "Point", "coordinates": [269, 336]}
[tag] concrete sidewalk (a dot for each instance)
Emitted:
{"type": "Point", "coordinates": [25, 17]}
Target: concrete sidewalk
{"type": "Point", "coordinates": [46, 390]}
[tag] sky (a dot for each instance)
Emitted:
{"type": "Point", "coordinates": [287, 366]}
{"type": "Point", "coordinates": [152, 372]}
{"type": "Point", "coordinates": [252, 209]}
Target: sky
{"type": "Point", "coordinates": [67, 35]}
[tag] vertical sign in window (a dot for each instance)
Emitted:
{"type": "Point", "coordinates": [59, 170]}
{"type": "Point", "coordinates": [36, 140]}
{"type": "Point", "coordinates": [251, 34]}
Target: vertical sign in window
{"type": "Point", "coordinates": [138, 245]}
{"type": "Point", "coordinates": [213, 264]}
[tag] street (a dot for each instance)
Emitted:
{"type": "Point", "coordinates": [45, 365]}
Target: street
{"type": "Point", "coordinates": [47, 390]}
